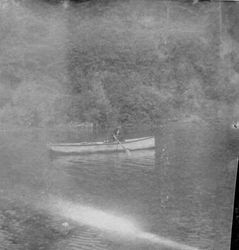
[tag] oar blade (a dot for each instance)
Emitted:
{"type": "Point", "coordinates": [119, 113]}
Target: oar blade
{"type": "Point", "coordinates": [128, 152]}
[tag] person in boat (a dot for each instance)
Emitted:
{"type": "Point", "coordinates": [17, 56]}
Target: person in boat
{"type": "Point", "coordinates": [235, 125]}
{"type": "Point", "coordinates": [116, 134]}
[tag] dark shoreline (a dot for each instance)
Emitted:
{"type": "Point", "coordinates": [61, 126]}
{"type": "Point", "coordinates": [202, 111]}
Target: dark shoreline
{"type": "Point", "coordinates": [22, 227]}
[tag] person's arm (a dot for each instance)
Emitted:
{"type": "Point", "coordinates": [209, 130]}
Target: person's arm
{"type": "Point", "coordinates": [235, 125]}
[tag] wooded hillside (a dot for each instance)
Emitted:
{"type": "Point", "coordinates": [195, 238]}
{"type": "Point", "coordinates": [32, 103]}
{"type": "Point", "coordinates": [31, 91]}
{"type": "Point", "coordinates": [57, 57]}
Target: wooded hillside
{"type": "Point", "coordinates": [107, 62]}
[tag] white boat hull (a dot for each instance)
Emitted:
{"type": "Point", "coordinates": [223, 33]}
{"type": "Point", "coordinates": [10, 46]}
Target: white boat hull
{"type": "Point", "coordinates": [100, 147]}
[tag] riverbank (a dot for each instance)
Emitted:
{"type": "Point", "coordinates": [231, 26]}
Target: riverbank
{"type": "Point", "coordinates": [22, 227]}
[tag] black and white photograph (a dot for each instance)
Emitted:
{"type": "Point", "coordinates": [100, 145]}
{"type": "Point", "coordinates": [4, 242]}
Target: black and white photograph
{"type": "Point", "coordinates": [119, 124]}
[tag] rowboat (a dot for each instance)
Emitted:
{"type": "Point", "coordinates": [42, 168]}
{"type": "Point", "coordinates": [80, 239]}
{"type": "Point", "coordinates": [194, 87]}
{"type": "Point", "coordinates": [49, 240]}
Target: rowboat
{"type": "Point", "coordinates": [103, 147]}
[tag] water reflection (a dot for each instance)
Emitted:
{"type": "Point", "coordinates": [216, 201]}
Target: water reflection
{"type": "Point", "coordinates": [141, 158]}
{"type": "Point", "coordinates": [108, 222]}
{"type": "Point", "coordinates": [181, 193]}
{"type": "Point", "coordinates": [177, 191]}
{"type": "Point", "coordinates": [195, 174]}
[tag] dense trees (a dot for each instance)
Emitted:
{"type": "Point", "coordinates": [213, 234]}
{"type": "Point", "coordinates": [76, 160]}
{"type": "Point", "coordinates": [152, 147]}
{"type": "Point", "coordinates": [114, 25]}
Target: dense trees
{"type": "Point", "coordinates": [149, 73]}
{"type": "Point", "coordinates": [32, 67]}
{"type": "Point", "coordinates": [107, 62]}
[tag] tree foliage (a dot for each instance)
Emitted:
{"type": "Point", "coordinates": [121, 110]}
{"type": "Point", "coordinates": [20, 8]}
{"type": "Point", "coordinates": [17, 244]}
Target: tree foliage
{"type": "Point", "coordinates": [129, 62]}
{"type": "Point", "coordinates": [148, 75]}
{"type": "Point", "coordinates": [32, 67]}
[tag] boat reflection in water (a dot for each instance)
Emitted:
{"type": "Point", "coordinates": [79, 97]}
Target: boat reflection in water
{"type": "Point", "coordinates": [108, 222]}
{"type": "Point", "coordinates": [140, 158]}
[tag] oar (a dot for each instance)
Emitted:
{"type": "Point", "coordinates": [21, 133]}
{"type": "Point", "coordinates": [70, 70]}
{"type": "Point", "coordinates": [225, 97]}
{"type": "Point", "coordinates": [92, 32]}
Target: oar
{"type": "Point", "coordinates": [126, 149]}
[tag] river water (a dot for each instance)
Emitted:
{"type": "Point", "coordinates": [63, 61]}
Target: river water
{"type": "Point", "coordinates": [178, 196]}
